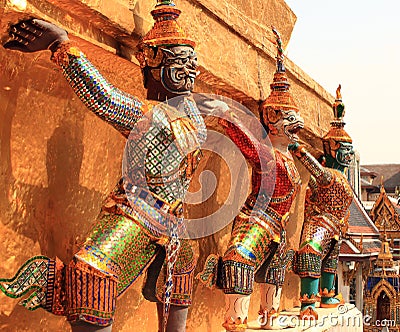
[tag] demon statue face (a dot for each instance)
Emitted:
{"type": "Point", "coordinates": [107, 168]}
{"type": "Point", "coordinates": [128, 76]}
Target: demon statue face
{"type": "Point", "coordinates": [345, 154]}
{"type": "Point", "coordinates": [166, 55]}
{"type": "Point", "coordinates": [283, 124]}
{"type": "Point", "coordinates": [178, 69]}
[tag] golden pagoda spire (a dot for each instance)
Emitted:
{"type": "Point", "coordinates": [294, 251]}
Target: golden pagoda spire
{"type": "Point", "coordinates": [385, 257]}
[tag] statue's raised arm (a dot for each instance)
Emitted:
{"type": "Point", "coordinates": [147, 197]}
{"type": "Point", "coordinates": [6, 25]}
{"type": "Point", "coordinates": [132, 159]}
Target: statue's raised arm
{"type": "Point", "coordinates": [108, 102]}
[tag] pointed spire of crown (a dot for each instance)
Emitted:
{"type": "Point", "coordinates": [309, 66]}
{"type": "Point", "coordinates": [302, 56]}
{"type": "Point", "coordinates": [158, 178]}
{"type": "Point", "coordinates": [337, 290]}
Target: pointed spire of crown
{"type": "Point", "coordinates": [338, 106]}
{"type": "Point", "coordinates": [280, 97]}
{"type": "Point", "coordinates": [166, 30]}
{"type": "Point", "coordinates": [337, 133]}
{"type": "Point", "coordinates": [280, 68]}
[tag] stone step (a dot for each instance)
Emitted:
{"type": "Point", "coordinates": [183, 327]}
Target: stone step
{"type": "Point", "coordinates": [346, 318]}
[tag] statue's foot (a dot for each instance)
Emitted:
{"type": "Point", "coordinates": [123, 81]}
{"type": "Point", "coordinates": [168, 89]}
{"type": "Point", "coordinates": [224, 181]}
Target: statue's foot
{"type": "Point", "coordinates": [272, 320]}
{"type": "Point", "coordinates": [331, 302]}
{"type": "Point", "coordinates": [32, 276]}
{"type": "Point", "coordinates": [237, 325]}
{"type": "Point", "coordinates": [308, 313]}
{"type": "Point", "coordinates": [267, 319]}
{"type": "Point", "coordinates": [86, 327]}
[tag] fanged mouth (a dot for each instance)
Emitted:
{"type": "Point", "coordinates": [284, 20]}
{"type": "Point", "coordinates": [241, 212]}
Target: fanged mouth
{"type": "Point", "coordinates": [293, 130]}
{"type": "Point", "coordinates": [348, 159]}
{"type": "Point", "coordinates": [192, 74]}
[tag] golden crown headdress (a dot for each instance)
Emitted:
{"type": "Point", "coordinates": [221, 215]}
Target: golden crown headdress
{"type": "Point", "coordinates": [165, 32]}
{"type": "Point", "coordinates": [336, 133]}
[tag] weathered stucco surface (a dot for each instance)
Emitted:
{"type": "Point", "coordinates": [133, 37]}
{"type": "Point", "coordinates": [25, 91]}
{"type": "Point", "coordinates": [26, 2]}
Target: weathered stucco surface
{"type": "Point", "coordinates": [58, 161]}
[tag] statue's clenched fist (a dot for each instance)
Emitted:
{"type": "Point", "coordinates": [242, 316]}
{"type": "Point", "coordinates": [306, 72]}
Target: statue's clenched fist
{"type": "Point", "coordinates": [35, 35]}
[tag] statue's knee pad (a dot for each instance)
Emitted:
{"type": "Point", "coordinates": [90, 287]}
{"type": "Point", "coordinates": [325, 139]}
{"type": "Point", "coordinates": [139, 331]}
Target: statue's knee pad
{"type": "Point", "coordinates": [308, 264]}
{"type": "Point", "coordinates": [91, 294]}
{"type": "Point", "coordinates": [237, 273]}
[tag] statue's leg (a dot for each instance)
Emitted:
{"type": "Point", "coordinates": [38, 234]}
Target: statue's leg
{"type": "Point", "coordinates": [308, 297]}
{"type": "Point", "coordinates": [236, 312]}
{"type": "Point", "coordinates": [329, 299]}
{"type": "Point", "coordinates": [181, 296]}
{"type": "Point", "coordinates": [149, 289]}
{"type": "Point", "coordinates": [271, 285]}
{"type": "Point", "coordinates": [269, 306]}
{"type": "Point", "coordinates": [114, 255]}
{"type": "Point", "coordinates": [315, 244]}
{"type": "Point", "coordinates": [176, 319]}
{"type": "Point", "coordinates": [249, 247]}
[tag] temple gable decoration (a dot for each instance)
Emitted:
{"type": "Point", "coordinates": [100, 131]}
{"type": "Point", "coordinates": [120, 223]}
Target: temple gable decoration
{"type": "Point", "coordinates": [382, 300]}
{"type": "Point", "coordinates": [386, 217]}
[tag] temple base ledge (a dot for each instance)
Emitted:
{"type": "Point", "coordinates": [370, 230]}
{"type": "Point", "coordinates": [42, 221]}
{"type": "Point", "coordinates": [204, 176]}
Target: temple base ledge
{"type": "Point", "coordinates": [346, 318]}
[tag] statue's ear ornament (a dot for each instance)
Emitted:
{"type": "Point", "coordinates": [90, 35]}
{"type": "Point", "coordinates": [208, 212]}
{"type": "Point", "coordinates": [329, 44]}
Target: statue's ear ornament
{"type": "Point", "coordinates": [273, 115]}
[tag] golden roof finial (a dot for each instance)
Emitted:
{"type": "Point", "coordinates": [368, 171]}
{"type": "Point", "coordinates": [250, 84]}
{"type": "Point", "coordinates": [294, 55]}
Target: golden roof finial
{"type": "Point", "coordinates": [382, 186]}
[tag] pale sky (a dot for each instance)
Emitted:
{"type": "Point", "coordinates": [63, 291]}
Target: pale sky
{"type": "Point", "coordinates": [355, 43]}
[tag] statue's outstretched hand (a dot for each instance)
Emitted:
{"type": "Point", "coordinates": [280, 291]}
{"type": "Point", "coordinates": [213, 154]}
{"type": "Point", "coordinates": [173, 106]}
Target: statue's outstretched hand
{"type": "Point", "coordinates": [293, 146]}
{"type": "Point", "coordinates": [35, 35]}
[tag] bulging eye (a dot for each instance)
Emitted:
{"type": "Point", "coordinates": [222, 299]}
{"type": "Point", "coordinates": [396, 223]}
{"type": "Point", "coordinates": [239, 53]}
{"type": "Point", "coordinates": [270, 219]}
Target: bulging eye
{"type": "Point", "coordinates": [291, 118]}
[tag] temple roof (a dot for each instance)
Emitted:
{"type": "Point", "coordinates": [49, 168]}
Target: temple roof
{"type": "Point", "coordinates": [361, 241]}
{"type": "Point", "coordinates": [365, 171]}
{"type": "Point", "coordinates": [390, 173]}
{"type": "Point", "coordinates": [384, 265]}
{"type": "Point", "coordinates": [367, 184]}
{"type": "Point", "coordinates": [359, 221]}
{"type": "Point", "coordinates": [385, 213]}
{"type": "Point", "coordinates": [367, 249]}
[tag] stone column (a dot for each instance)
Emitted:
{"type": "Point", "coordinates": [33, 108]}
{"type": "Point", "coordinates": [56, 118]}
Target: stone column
{"type": "Point", "coordinates": [343, 288]}
{"type": "Point", "coordinates": [359, 288]}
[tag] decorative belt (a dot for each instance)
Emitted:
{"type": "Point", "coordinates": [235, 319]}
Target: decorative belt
{"type": "Point", "coordinates": [153, 212]}
{"type": "Point", "coordinates": [267, 218]}
{"type": "Point", "coordinates": [252, 203]}
{"type": "Point", "coordinates": [165, 178]}
{"type": "Point", "coordinates": [282, 199]}
{"type": "Point", "coordinates": [153, 200]}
